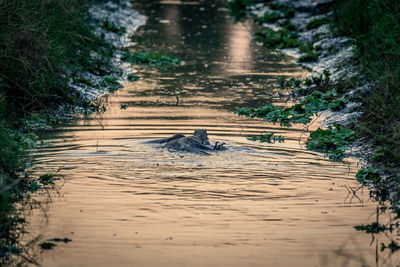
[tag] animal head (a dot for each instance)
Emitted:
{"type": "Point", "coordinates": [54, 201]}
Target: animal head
{"type": "Point", "coordinates": [202, 135]}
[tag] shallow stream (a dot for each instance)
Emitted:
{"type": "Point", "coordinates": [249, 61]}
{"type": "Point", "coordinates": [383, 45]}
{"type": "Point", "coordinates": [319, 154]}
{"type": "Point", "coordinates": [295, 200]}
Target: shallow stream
{"type": "Point", "coordinates": [126, 203]}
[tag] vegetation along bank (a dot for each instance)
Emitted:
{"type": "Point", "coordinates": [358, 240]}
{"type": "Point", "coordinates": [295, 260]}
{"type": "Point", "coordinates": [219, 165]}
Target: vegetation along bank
{"type": "Point", "coordinates": [352, 49]}
{"type": "Point", "coordinates": [57, 58]}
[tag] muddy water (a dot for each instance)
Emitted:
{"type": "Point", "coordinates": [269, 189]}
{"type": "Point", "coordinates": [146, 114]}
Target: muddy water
{"type": "Point", "coordinates": [126, 203]}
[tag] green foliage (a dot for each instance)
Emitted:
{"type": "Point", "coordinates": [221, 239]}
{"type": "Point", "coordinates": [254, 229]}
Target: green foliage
{"type": "Point", "coordinates": [281, 82]}
{"type": "Point", "coordinates": [369, 175]}
{"type": "Point", "coordinates": [238, 8]}
{"type": "Point", "coordinates": [9, 250]}
{"type": "Point", "coordinates": [283, 116]}
{"type": "Point", "coordinates": [379, 187]}
{"type": "Point", "coordinates": [393, 247]}
{"type": "Point", "coordinates": [371, 228]}
{"type": "Point", "coordinates": [110, 26]}
{"type": "Point", "coordinates": [305, 47]}
{"type": "Point", "coordinates": [375, 27]}
{"type": "Point", "coordinates": [311, 54]}
{"type": "Point", "coordinates": [315, 23]}
{"type": "Point", "coordinates": [150, 58]}
{"type": "Point", "coordinates": [283, 38]}
{"type": "Point", "coordinates": [289, 13]}
{"type": "Point", "coordinates": [332, 141]}
{"type": "Point", "coordinates": [34, 186]}
{"type": "Point", "coordinates": [10, 222]}
{"type": "Point", "coordinates": [123, 106]}
{"type": "Point", "coordinates": [291, 83]}
{"type": "Point", "coordinates": [286, 24]}
{"type": "Point", "coordinates": [269, 17]}
{"type": "Point", "coordinates": [309, 57]}
{"type": "Point", "coordinates": [111, 83]}
{"type": "Point", "coordinates": [133, 78]}
{"type": "Point", "coordinates": [287, 37]}
{"type": "Point", "coordinates": [16, 189]}
{"type": "Point", "coordinates": [294, 83]}
{"type": "Point", "coordinates": [83, 80]}
{"type": "Point", "coordinates": [302, 112]}
{"type": "Point", "coordinates": [13, 158]}
{"type": "Point", "coordinates": [381, 154]}
{"type": "Point", "coordinates": [268, 138]}
{"type": "Point", "coordinates": [323, 78]}
{"type": "Point", "coordinates": [276, 6]}
{"type": "Point", "coordinates": [321, 82]}
{"type": "Point", "coordinates": [318, 101]}
{"type": "Point", "coordinates": [39, 40]}
{"type": "Point", "coordinates": [14, 147]}
{"type": "Point", "coordinates": [47, 179]}
{"type": "Point", "coordinates": [42, 44]}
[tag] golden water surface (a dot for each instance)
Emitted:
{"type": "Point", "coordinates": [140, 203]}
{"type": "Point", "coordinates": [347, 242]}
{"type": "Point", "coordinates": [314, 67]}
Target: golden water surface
{"type": "Point", "coordinates": [128, 203]}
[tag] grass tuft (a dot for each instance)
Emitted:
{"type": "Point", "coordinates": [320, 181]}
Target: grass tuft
{"type": "Point", "coordinates": [39, 41]}
{"type": "Point", "coordinates": [375, 26]}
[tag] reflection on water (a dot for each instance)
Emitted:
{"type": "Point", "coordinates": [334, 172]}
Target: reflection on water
{"type": "Point", "coordinates": [127, 203]}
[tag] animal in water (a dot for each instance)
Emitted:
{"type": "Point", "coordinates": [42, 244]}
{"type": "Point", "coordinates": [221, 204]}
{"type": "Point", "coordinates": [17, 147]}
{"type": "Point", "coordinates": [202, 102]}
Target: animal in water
{"type": "Point", "coordinates": [198, 143]}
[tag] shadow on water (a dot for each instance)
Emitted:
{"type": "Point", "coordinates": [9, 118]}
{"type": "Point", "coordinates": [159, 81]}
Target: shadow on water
{"type": "Point", "coordinates": [127, 203]}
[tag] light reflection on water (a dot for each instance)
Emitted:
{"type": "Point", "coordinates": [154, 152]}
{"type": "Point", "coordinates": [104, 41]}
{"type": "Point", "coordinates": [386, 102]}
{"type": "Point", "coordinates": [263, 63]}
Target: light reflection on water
{"type": "Point", "coordinates": [127, 203]}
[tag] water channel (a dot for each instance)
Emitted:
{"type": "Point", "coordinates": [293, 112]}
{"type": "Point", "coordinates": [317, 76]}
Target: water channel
{"type": "Point", "coordinates": [127, 203]}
